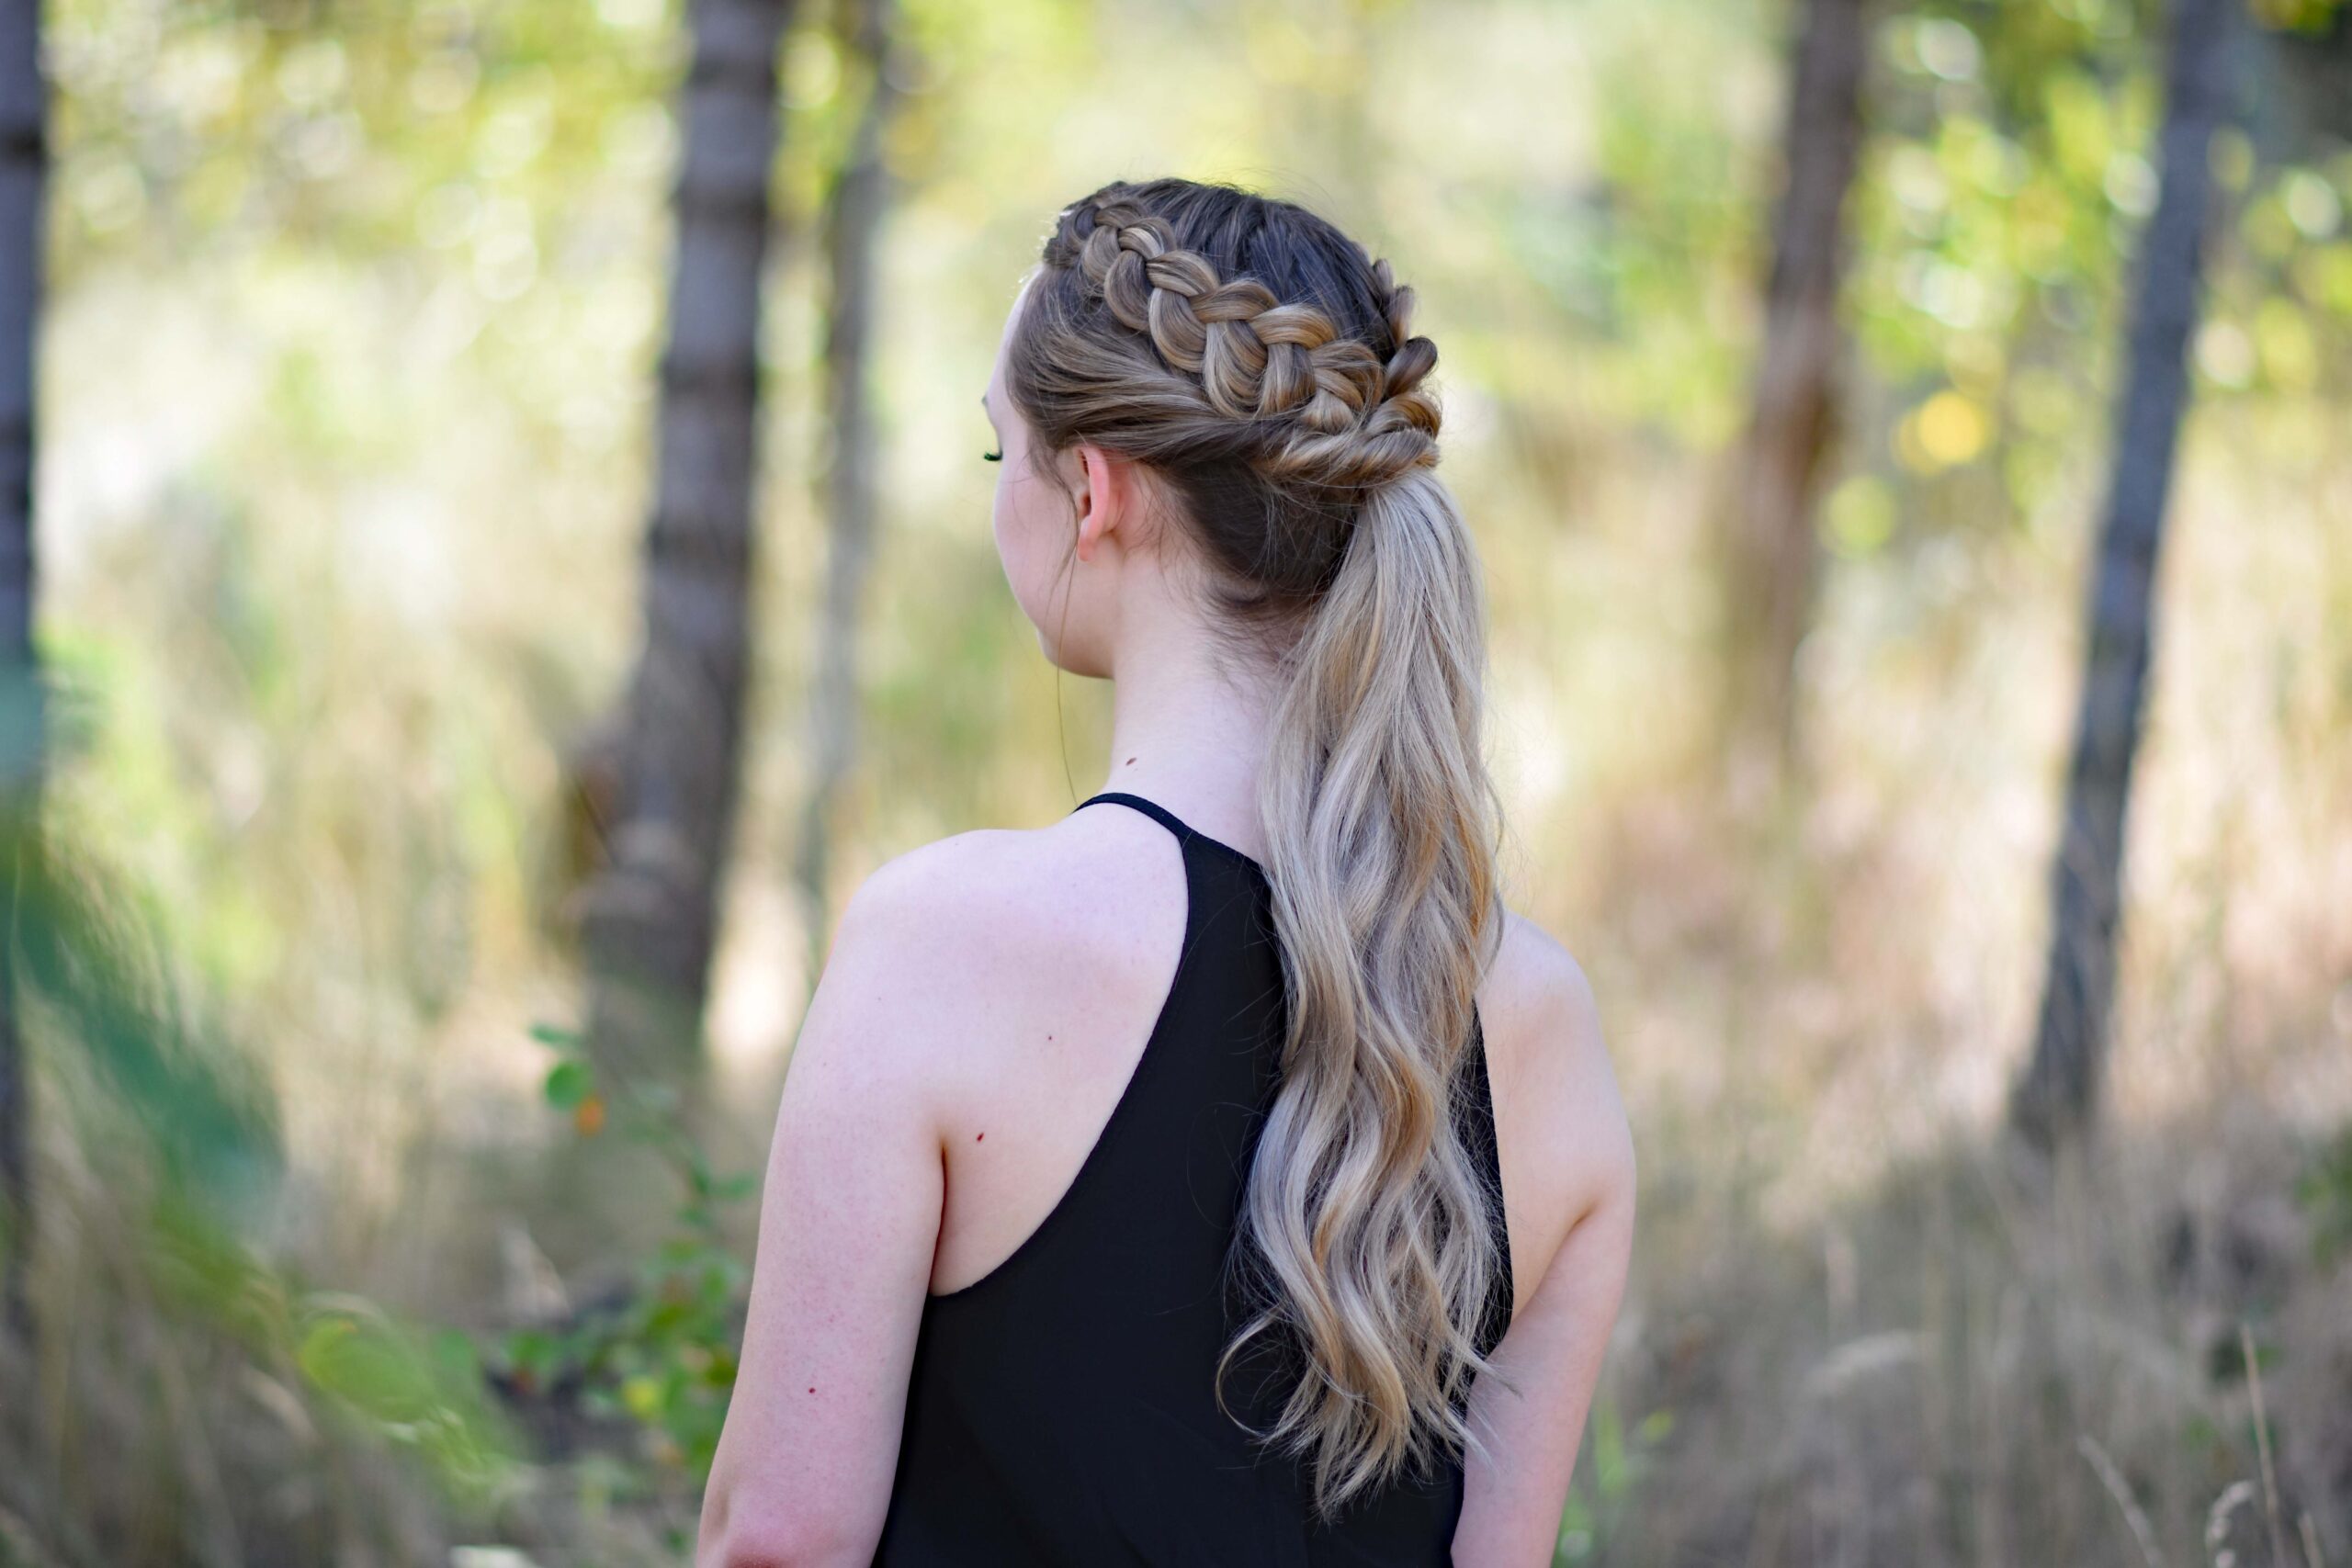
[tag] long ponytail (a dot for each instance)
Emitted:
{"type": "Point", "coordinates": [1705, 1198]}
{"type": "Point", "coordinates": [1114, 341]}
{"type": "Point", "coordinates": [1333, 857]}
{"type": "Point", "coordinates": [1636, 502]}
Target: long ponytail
{"type": "Point", "coordinates": [1364, 1206]}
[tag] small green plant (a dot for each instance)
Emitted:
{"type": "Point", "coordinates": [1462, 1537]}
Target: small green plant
{"type": "Point", "coordinates": [1619, 1459]}
{"type": "Point", "coordinates": [664, 1357]}
{"type": "Point", "coordinates": [415, 1388]}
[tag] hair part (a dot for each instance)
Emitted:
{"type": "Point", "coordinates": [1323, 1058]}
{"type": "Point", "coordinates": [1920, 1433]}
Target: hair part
{"type": "Point", "coordinates": [1260, 367]}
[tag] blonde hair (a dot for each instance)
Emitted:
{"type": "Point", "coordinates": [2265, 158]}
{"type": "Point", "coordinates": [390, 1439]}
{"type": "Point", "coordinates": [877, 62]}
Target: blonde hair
{"type": "Point", "coordinates": [1260, 363]}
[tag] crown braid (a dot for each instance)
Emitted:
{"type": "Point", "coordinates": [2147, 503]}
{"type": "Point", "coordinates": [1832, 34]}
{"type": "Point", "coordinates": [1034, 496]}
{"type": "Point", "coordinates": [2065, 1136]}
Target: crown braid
{"type": "Point", "coordinates": [1361, 422]}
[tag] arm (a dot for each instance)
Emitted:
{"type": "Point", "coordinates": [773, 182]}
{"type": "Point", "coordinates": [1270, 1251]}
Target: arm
{"type": "Point", "coordinates": [1514, 1495]}
{"type": "Point", "coordinates": [849, 1221]}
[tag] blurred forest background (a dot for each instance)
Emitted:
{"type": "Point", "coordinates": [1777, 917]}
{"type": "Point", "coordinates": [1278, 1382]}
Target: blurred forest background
{"type": "Point", "coordinates": [509, 516]}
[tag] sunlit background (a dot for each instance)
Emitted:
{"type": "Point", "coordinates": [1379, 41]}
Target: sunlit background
{"type": "Point", "coordinates": [348, 393]}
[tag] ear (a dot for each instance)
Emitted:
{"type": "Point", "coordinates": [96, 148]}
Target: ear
{"type": "Point", "coordinates": [1105, 496]}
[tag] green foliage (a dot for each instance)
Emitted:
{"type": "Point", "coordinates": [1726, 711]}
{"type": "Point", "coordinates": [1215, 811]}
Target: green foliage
{"type": "Point", "coordinates": [174, 1303]}
{"type": "Point", "coordinates": [140, 1072]}
{"type": "Point", "coordinates": [1653, 257]}
{"type": "Point", "coordinates": [422, 1389]}
{"type": "Point", "coordinates": [1616, 1458]}
{"type": "Point", "coordinates": [419, 1389]}
{"type": "Point", "coordinates": [97, 977]}
{"type": "Point", "coordinates": [2010, 163]}
{"type": "Point", "coordinates": [663, 1358]}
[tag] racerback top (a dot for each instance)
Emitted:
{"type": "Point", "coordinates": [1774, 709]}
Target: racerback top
{"type": "Point", "coordinates": [1060, 1410]}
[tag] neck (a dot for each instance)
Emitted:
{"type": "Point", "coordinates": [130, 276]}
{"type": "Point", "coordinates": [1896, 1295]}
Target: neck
{"type": "Point", "coordinates": [1185, 734]}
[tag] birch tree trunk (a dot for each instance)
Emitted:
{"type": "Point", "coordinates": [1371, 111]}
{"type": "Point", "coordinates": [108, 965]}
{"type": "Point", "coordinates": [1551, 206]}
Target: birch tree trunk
{"type": "Point", "coordinates": [2056, 1095]}
{"type": "Point", "coordinates": [1771, 562]}
{"type": "Point", "coordinates": [649, 923]}
{"type": "Point", "coordinates": [859, 201]}
{"type": "Point", "coordinates": [23, 157]}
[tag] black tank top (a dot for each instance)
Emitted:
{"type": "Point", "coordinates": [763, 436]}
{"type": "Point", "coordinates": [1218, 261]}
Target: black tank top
{"type": "Point", "coordinates": [1061, 1409]}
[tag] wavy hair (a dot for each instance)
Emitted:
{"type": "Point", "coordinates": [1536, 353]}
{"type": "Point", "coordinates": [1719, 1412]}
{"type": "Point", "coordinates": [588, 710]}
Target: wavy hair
{"type": "Point", "coordinates": [1262, 364]}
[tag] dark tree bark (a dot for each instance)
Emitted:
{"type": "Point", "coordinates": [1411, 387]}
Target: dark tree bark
{"type": "Point", "coordinates": [23, 158]}
{"type": "Point", "coordinates": [1772, 561]}
{"type": "Point", "coordinates": [649, 923]}
{"type": "Point", "coordinates": [2056, 1095]}
{"type": "Point", "coordinates": [859, 201]}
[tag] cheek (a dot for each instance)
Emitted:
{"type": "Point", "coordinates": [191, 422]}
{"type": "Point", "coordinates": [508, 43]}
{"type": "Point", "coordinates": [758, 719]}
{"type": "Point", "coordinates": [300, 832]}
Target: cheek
{"type": "Point", "coordinates": [1013, 529]}
{"type": "Point", "coordinates": [1018, 534]}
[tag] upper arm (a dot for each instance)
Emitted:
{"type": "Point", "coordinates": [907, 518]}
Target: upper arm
{"type": "Point", "coordinates": [849, 1222]}
{"type": "Point", "coordinates": [1515, 1491]}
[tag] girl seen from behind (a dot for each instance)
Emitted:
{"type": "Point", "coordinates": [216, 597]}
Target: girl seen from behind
{"type": "Point", "coordinates": [1222, 1174]}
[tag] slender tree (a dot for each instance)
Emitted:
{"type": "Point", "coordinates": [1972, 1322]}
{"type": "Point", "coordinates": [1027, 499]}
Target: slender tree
{"type": "Point", "coordinates": [854, 211]}
{"type": "Point", "coordinates": [2056, 1095]}
{"type": "Point", "coordinates": [23, 159]}
{"type": "Point", "coordinates": [1771, 558]}
{"type": "Point", "coordinates": [649, 923]}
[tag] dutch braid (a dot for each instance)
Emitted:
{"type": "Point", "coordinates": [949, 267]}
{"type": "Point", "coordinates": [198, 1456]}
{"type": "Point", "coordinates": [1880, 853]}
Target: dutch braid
{"type": "Point", "coordinates": [1361, 422]}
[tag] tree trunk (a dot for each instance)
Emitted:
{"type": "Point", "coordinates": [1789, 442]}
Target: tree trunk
{"type": "Point", "coordinates": [1769, 583]}
{"type": "Point", "coordinates": [860, 198]}
{"type": "Point", "coordinates": [2056, 1095]}
{"type": "Point", "coordinates": [649, 925]}
{"type": "Point", "coordinates": [23, 155]}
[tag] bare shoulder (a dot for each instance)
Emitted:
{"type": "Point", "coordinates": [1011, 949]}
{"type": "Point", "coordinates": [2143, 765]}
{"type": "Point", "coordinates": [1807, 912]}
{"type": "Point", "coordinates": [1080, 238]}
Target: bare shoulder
{"type": "Point", "coordinates": [975, 905]}
{"type": "Point", "coordinates": [949, 950]}
{"type": "Point", "coordinates": [922, 937]}
{"type": "Point", "coordinates": [931, 902]}
{"type": "Point", "coordinates": [923, 915]}
{"type": "Point", "coordinates": [1567, 1149]}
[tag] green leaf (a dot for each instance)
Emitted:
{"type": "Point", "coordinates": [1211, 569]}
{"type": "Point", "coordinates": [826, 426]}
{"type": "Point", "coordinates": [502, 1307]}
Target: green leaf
{"type": "Point", "coordinates": [736, 1188]}
{"type": "Point", "coordinates": [567, 1085]}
